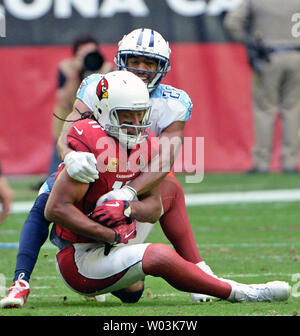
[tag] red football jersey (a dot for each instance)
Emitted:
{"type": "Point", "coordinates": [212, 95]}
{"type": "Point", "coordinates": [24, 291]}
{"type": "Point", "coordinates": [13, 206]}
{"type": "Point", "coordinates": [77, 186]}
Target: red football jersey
{"type": "Point", "coordinates": [116, 167]}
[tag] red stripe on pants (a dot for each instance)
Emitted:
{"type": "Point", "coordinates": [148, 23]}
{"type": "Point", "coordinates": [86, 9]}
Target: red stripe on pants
{"type": "Point", "coordinates": [77, 281]}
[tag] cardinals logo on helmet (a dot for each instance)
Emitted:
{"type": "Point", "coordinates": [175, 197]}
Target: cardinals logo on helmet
{"type": "Point", "coordinates": [102, 89]}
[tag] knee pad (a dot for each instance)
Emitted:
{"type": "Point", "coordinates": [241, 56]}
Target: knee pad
{"type": "Point", "coordinates": [128, 297]}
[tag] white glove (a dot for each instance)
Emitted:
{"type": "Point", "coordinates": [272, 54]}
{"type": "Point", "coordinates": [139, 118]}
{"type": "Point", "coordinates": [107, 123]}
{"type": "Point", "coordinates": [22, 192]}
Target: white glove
{"type": "Point", "coordinates": [82, 166]}
{"type": "Point", "coordinates": [126, 193]}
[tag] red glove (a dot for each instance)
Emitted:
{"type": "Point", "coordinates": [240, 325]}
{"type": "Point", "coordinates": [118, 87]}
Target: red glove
{"type": "Point", "coordinates": [125, 232]}
{"type": "Point", "coordinates": [112, 212]}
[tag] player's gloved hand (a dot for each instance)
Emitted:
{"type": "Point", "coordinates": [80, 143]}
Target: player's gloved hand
{"type": "Point", "coordinates": [125, 232]}
{"type": "Point", "coordinates": [126, 193]}
{"type": "Point", "coordinates": [112, 212]}
{"type": "Point", "coordinates": [82, 166]}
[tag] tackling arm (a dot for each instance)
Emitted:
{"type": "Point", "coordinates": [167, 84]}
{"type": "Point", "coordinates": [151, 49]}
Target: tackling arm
{"type": "Point", "coordinates": [62, 144]}
{"type": "Point", "coordinates": [149, 208]}
{"type": "Point", "coordinates": [63, 106]}
{"type": "Point", "coordinates": [145, 181]}
{"type": "Point", "coordinates": [81, 166]}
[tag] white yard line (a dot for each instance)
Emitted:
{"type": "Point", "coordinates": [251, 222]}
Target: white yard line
{"type": "Point", "coordinates": [21, 207]}
{"type": "Point", "coordinates": [229, 275]}
{"type": "Point", "coordinates": [246, 245]}
{"type": "Point", "coordinates": [48, 245]}
{"type": "Point", "coordinates": [283, 195]}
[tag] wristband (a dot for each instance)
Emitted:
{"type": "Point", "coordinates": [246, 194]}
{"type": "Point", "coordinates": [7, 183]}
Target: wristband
{"type": "Point", "coordinates": [132, 189]}
{"type": "Point", "coordinates": [117, 238]}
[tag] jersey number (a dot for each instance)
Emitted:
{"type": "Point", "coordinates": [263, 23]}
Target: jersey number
{"type": "Point", "coordinates": [171, 92]}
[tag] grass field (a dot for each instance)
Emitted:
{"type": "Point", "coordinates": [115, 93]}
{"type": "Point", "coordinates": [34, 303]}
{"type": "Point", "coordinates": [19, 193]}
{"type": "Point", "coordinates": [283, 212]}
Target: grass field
{"type": "Point", "coordinates": [246, 242]}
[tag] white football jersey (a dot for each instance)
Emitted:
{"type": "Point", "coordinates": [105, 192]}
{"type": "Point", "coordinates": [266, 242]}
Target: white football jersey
{"type": "Point", "coordinates": [168, 104]}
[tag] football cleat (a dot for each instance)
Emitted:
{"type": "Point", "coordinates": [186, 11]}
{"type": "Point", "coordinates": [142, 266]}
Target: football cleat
{"type": "Point", "coordinates": [196, 297]}
{"type": "Point", "coordinates": [271, 291]}
{"type": "Point", "coordinates": [17, 295]}
{"type": "Point", "coordinates": [100, 298]}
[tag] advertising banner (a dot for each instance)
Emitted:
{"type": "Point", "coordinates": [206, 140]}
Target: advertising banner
{"type": "Point", "coordinates": [37, 35]}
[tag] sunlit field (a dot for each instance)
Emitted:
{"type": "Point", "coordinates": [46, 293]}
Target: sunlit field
{"type": "Point", "coordinates": [250, 242]}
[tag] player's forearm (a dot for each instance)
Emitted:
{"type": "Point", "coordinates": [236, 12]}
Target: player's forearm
{"type": "Point", "coordinates": [147, 210]}
{"type": "Point", "coordinates": [62, 146]}
{"type": "Point", "coordinates": [146, 181]}
{"type": "Point", "coordinates": [68, 216]}
{"type": "Point", "coordinates": [158, 168]}
{"type": "Point", "coordinates": [170, 143]}
{"type": "Point", "coordinates": [60, 114]}
{"type": "Point", "coordinates": [62, 143]}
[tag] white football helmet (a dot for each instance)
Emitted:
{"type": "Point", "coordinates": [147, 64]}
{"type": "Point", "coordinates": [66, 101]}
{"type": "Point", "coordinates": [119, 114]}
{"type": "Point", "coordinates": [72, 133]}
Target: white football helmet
{"type": "Point", "coordinates": [148, 43]}
{"type": "Point", "coordinates": [122, 90]}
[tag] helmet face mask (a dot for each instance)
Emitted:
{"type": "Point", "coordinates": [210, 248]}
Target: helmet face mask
{"type": "Point", "coordinates": [126, 132]}
{"type": "Point", "coordinates": [146, 43]}
{"type": "Point", "coordinates": [123, 91]}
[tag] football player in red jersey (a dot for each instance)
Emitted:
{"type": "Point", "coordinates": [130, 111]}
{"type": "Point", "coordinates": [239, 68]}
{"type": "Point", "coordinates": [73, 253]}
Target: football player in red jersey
{"type": "Point", "coordinates": [89, 135]}
{"type": "Point", "coordinates": [146, 53]}
{"type": "Point", "coordinates": [92, 257]}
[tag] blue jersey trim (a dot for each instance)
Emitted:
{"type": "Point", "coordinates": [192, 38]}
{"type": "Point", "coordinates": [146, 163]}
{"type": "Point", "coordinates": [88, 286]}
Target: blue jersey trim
{"type": "Point", "coordinates": [85, 83]}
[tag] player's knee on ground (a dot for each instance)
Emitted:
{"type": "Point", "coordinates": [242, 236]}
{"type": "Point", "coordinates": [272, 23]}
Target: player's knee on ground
{"type": "Point", "coordinates": [131, 294]}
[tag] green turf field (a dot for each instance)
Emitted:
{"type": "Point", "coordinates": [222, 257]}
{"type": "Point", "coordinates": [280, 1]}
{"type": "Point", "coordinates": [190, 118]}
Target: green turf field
{"type": "Point", "coordinates": [246, 242]}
